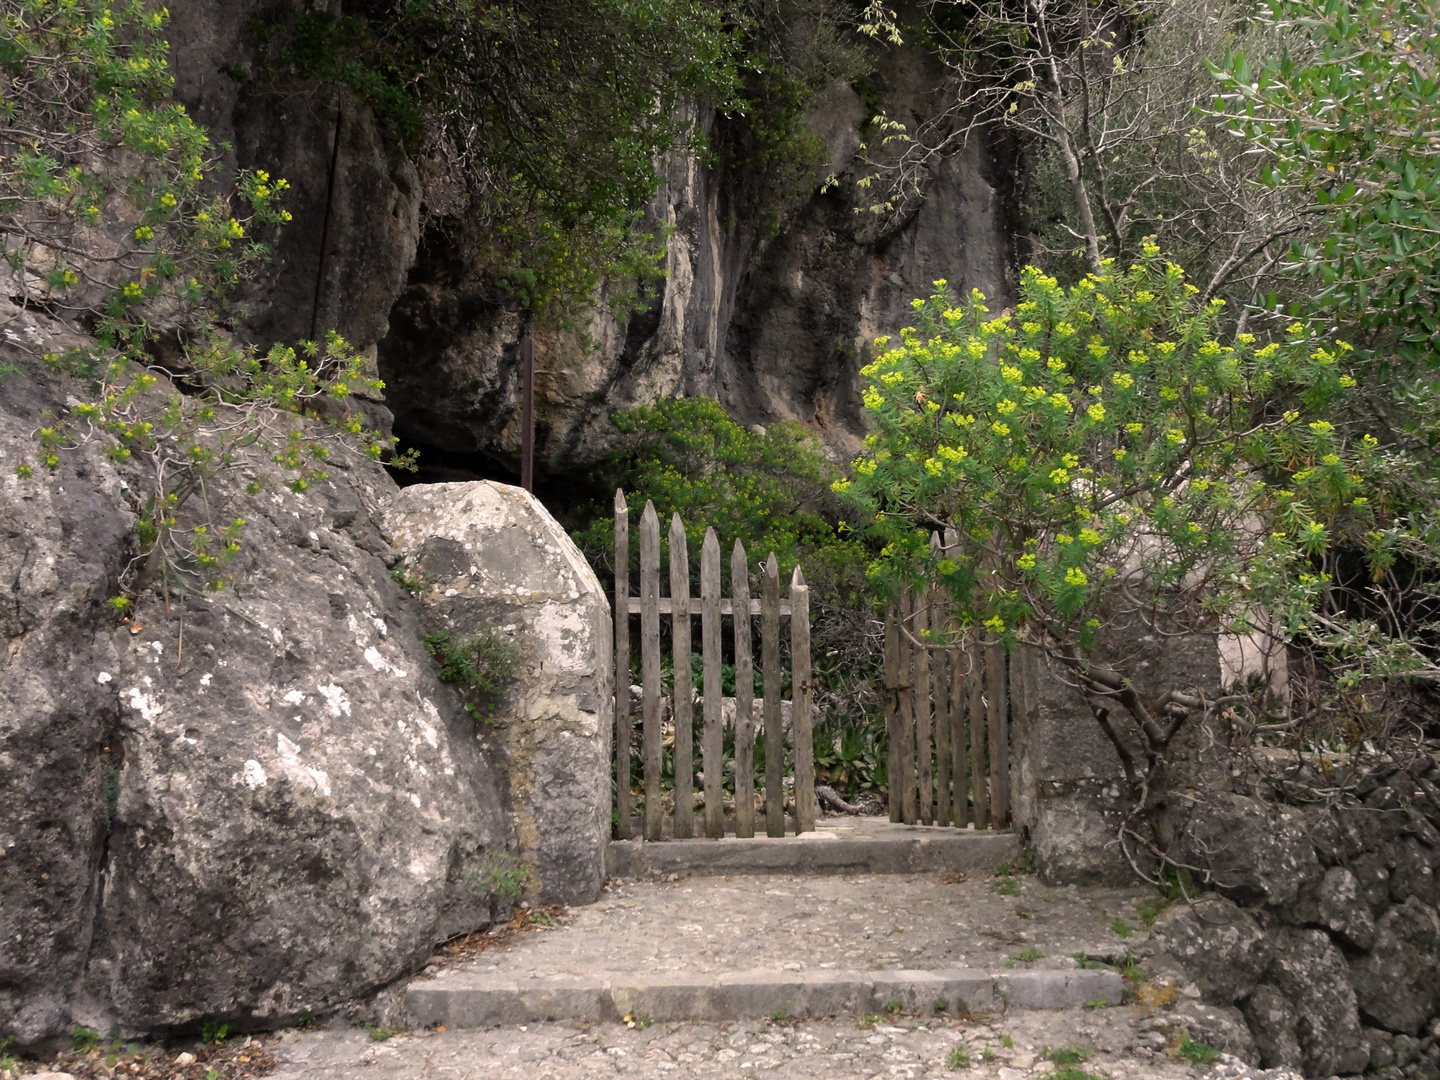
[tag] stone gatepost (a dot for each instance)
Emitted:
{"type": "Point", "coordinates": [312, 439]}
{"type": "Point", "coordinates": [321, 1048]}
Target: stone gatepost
{"type": "Point", "coordinates": [492, 557]}
{"type": "Point", "coordinates": [1068, 784]}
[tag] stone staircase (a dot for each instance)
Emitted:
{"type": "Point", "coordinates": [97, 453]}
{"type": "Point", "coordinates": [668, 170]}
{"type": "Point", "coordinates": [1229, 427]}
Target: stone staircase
{"type": "Point", "coordinates": [860, 917]}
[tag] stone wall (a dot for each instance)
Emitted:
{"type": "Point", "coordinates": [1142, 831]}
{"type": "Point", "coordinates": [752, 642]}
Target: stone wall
{"type": "Point", "coordinates": [492, 557]}
{"type": "Point", "coordinates": [1319, 946]}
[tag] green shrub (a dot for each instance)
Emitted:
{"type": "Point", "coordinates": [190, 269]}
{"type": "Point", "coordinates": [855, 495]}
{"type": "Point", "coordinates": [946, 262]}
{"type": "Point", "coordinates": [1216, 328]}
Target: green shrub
{"type": "Point", "coordinates": [1101, 440]}
{"type": "Point", "coordinates": [112, 223]}
{"type": "Point", "coordinates": [502, 877]}
{"type": "Point", "coordinates": [481, 664]}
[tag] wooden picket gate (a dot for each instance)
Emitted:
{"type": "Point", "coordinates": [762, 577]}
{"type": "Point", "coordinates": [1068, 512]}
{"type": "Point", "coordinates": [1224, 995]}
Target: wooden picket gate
{"type": "Point", "coordinates": [946, 718]}
{"type": "Point", "coordinates": [712, 610]}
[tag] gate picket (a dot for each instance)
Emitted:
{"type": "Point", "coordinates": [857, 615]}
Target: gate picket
{"type": "Point", "coordinates": [800, 696]}
{"type": "Point", "coordinates": [650, 665]}
{"type": "Point", "coordinates": [712, 745]}
{"type": "Point", "coordinates": [623, 726]}
{"type": "Point", "coordinates": [683, 701]}
{"type": "Point", "coordinates": [744, 695]}
{"type": "Point", "coordinates": [770, 675]}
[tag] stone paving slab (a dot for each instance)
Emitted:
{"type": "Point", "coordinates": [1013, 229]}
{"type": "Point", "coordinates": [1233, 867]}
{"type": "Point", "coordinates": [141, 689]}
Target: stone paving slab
{"type": "Point", "coordinates": [840, 845]}
{"type": "Point", "coordinates": [1123, 1044]}
{"type": "Point", "coordinates": [706, 926]}
{"type": "Point", "coordinates": [477, 999]}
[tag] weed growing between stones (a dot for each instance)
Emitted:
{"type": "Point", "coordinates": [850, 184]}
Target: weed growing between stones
{"type": "Point", "coordinates": [1196, 1053]}
{"type": "Point", "coordinates": [214, 1032]}
{"type": "Point", "coordinates": [1007, 887]}
{"type": "Point", "coordinates": [84, 1039]}
{"type": "Point", "coordinates": [7, 1061]}
{"type": "Point", "coordinates": [1066, 1055]}
{"type": "Point", "coordinates": [892, 1006]}
{"type": "Point", "coordinates": [480, 664]}
{"type": "Point", "coordinates": [1121, 927]}
{"type": "Point", "coordinates": [380, 1034]}
{"type": "Point", "coordinates": [958, 1058]}
{"type": "Point", "coordinates": [503, 877]}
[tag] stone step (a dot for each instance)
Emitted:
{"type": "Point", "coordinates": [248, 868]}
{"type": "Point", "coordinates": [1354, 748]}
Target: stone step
{"type": "Point", "coordinates": [838, 846]}
{"type": "Point", "coordinates": [470, 999]}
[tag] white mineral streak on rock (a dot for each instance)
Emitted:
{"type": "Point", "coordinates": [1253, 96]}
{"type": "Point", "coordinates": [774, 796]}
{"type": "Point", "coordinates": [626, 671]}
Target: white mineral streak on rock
{"type": "Point", "coordinates": [141, 703]}
{"type": "Point", "coordinates": [296, 771]}
{"type": "Point", "coordinates": [335, 699]}
{"type": "Point", "coordinates": [103, 678]}
{"type": "Point", "coordinates": [254, 775]}
{"type": "Point", "coordinates": [295, 697]}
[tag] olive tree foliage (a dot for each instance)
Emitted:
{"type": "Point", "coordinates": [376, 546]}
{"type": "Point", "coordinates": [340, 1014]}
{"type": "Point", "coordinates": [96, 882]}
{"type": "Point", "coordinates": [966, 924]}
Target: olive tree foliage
{"type": "Point", "coordinates": [112, 226]}
{"type": "Point", "coordinates": [1106, 459]}
{"type": "Point", "coordinates": [1345, 116]}
{"type": "Point", "coordinates": [1348, 113]}
{"type": "Point", "coordinates": [1102, 98]}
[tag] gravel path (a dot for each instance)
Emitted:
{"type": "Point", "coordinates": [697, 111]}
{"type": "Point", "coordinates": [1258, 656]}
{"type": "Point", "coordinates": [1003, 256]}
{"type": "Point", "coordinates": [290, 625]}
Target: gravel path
{"type": "Point", "coordinates": [1120, 1044]}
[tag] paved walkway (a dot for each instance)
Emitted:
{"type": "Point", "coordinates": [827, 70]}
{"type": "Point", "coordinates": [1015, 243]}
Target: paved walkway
{"type": "Point", "coordinates": [867, 922]}
{"type": "Point", "coordinates": [715, 926]}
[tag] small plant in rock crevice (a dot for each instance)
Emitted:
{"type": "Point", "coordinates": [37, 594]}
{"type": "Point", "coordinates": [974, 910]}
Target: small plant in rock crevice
{"type": "Point", "coordinates": [481, 664]}
{"type": "Point", "coordinates": [1196, 1053]}
{"type": "Point", "coordinates": [84, 1039]}
{"type": "Point", "coordinates": [958, 1058]}
{"type": "Point", "coordinates": [502, 876]}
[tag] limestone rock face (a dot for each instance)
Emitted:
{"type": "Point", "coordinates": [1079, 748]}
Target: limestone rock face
{"type": "Point", "coordinates": [1222, 948]}
{"type": "Point", "coordinates": [62, 545]}
{"type": "Point", "coordinates": [245, 805]}
{"type": "Point", "coordinates": [493, 557]}
{"type": "Point", "coordinates": [1272, 1025]}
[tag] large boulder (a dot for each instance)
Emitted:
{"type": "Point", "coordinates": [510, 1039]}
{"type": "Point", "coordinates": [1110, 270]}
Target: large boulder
{"type": "Point", "coordinates": [1397, 983]}
{"type": "Point", "coordinates": [246, 805]}
{"type": "Point", "coordinates": [492, 558]}
{"type": "Point", "coordinates": [63, 542]}
{"type": "Point", "coordinates": [1223, 950]}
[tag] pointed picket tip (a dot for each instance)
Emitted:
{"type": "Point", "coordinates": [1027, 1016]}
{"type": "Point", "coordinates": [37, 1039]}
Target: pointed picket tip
{"type": "Point", "coordinates": [797, 579]}
{"type": "Point", "coordinates": [738, 551]}
{"type": "Point", "coordinates": [712, 542]}
{"type": "Point", "coordinates": [772, 566]}
{"type": "Point", "coordinates": [620, 500]}
{"type": "Point", "coordinates": [649, 516]}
